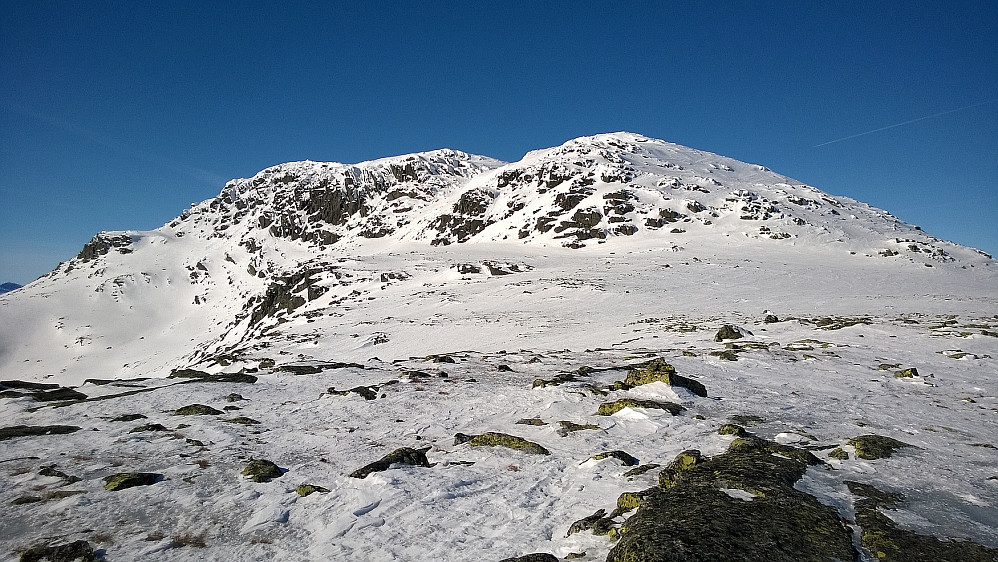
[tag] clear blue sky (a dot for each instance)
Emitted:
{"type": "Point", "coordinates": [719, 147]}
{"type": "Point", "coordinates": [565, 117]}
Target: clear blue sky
{"type": "Point", "coordinates": [119, 115]}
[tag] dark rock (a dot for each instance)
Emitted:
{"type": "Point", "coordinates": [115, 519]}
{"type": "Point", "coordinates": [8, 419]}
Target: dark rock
{"type": "Point", "coordinates": [262, 470]}
{"type": "Point", "coordinates": [873, 447]}
{"type": "Point", "coordinates": [610, 408]}
{"type": "Point", "coordinates": [148, 427]}
{"type": "Point", "coordinates": [77, 550]}
{"type": "Point", "coordinates": [26, 385]}
{"type": "Point", "coordinates": [201, 376]}
{"type": "Point", "coordinates": [243, 420]}
{"type": "Point", "coordinates": [368, 392]}
{"type": "Point", "coordinates": [731, 332]}
{"type": "Point", "coordinates": [532, 421]}
{"type": "Point", "coordinates": [887, 542]}
{"type": "Point", "coordinates": [58, 394]}
{"type": "Point", "coordinates": [771, 319]}
{"type": "Point", "coordinates": [124, 480]}
{"type": "Point", "coordinates": [732, 429]}
{"type": "Point", "coordinates": [568, 427]}
{"type": "Point", "coordinates": [504, 369]}
{"type": "Point", "coordinates": [586, 523]}
{"type": "Point", "coordinates": [404, 455]}
{"type": "Point", "coordinates": [128, 417]}
{"type": "Point", "coordinates": [496, 439]}
{"type": "Point", "coordinates": [197, 410]}
{"type": "Point", "coordinates": [690, 518]}
{"type": "Point", "coordinates": [535, 557]}
{"type": "Point", "coordinates": [657, 370]}
{"type": "Point", "coordinates": [621, 456]}
{"type": "Point", "coordinates": [234, 397]}
{"type": "Point", "coordinates": [306, 489]}
{"type": "Point", "coordinates": [31, 430]}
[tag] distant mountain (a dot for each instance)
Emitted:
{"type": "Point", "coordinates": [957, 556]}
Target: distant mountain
{"type": "Point", "coordinates": [8, 287]}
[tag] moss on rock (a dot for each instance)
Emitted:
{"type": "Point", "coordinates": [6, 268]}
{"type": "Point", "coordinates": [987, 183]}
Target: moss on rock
{"type": "Point", "coordinates": [306, 489]}
{"type": "Point", "coordinates": [531, 421]}
{"type": "Point", "coordinates": [243, 420]}
{"type": "Point", "coordinates": [496, 439]}
{"type": "Point", "coordinates": [124, 480]}
{"type": "Point", "coordinates": [262, 470]}
{"type": "Point", "coordinates": [404, 455]}
{"type": "Point", "coordinates": [658, 370]}
{"type": "Point", "coordinates": [610, 408]}
{"type": "Point", "coordinates": [197, 410]}
{"type": "Point", "coordinates": [569, 427]}
{"type": "Point", "coordinates": [839, 453]}
{"type": "Point", "coordinates": [873, 447]}
{"type": "Point", "coordinates": [732, 429]}
{"type": "Point", "coordinates": [638, 471]}
{"type": "Point", "coordinates": [906, 373]}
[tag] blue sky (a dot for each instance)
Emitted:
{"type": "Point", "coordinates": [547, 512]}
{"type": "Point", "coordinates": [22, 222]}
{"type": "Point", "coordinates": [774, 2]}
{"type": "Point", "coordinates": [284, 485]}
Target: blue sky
{"type": "Point", "coordinates": [119, 115]}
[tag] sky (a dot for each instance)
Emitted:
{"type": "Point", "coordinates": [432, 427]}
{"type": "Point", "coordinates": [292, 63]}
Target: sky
{"type": "Point", "coordinates": [119, 115]}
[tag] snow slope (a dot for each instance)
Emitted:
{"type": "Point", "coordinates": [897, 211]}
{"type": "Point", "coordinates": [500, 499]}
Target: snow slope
{"type": "Point", "coordinates": [602, 252]}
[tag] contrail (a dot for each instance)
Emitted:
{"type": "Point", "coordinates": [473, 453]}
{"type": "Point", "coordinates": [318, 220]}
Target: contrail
{"type": "Point", "coordinates": [200, 174]}
{"type": "Point", "coordinates": [941, 113]}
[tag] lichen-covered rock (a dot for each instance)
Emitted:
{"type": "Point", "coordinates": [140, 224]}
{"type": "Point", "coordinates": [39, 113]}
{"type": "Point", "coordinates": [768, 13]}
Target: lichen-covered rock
{"type": "Point", "coordinates": [234, 397]}
{"type": "Point", "coordinates": [731, 332]}
{"type": "Point", "coordinates": [887, 542]}
{"type": "Point", "coordinates": [638, 471]}
{"type": "Point", "coordinates": [838, 453]}
{"type": "Point", "coordinates": [657, 370]}
{"type": "Point", "coordinates": [732, 429]}
{"type": "Point", "coordinates": [197, 410]}
{"type": "Point", "coordinates": [74, 551]}
{"type": "Point", "coordinates": [58, 395]}
{"type": "Point", "coordinates": [873, 447]}
{"type": "Point", "coordinates": [201, 376]}
{"type": "Point", "coordinates": [368, 392]}
{"type": "Point", "coordinates": [124, 480]}
{"type": "Point", "coordinates": [621, 456]}
{"type": "Point", "coordinates": [32, 430]}
{"type": "Point", "coordinates": [691, 518]}
{"type": "Point", "coordinates": [586, 523]}
{"type": "Point", "coordinates": [128, 417]}
{"type": "Point", "coordinates": [404, 455]}
{"type": "Point", "coordinates": [262, 470]}
{"type": "Point", "coordinates": [906, 373]}
{"type": "Point", "coordinates": [535, 557]}
{"type": "Point", "coordinates": [306, 489]}
{"type": "Point", "coordinates": [610, 408]}
{"type": "Point", "coordinates": [495, 439]}
{"type": "Point", "coordinates": [569, 427]}
{"type": "Point", "coordinates": [531, 421]}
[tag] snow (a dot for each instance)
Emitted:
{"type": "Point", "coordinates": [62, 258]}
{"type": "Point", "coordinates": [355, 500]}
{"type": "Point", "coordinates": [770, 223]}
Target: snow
{"type": "Point", "coordinates": [609, 304]}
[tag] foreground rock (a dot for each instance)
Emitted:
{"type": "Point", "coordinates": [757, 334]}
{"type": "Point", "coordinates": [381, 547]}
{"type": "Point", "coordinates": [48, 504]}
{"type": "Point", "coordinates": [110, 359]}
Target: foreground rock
{"type": "Point", "coordinates": [31, 430]}
{"type": "Point", "coordinates": [885, 541]}
{"type": "Point", "coordinates": [262, 470]}
{"type": "Point", "coordinates": [125, 480]}
{"type": "Point", "coordinates": [496, 439]}
{"type": "Point", "coordinates": [77, 550]}
{"type": "Point", "coordinates": [405, 455]}
{"type": "Point", "coordinates": [657, 370]}
{"type": "Point", "coordinates": [740, 505]}
{"type": "Point", "coordinates": [873, 447]}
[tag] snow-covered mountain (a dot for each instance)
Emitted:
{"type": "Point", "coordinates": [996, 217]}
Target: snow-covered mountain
{"type": "Point", "coordinates": [455, 293]}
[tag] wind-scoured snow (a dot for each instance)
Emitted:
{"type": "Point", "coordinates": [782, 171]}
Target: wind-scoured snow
{"type": "Point", "coordinates": [603, 252]}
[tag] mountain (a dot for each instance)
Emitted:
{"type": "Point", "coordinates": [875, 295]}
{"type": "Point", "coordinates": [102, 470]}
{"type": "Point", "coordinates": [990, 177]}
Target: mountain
{"type": "Point", "coordinates": [618, 302]}
{"type": "Point", "coordinates": [8, 287]}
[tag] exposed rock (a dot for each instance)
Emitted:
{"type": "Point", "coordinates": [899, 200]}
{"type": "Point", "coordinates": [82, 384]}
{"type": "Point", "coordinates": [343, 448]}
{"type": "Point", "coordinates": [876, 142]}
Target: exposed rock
{"type": "Point", "coordinates": [621, 456]}
{"type": "Point", "coordinates": [306, 489]}
{"type": "Point", "coordinates": [495, 439]}
{"type": "Point", "coordinates": [404, 455]}
{"type": "Point", "coordinates": [58, 394]}
{"type": "Point", "coordinates": [124, 480]}
{"type": "Point", "coordinates": [234, 397]}
{"type": "Point", "coordinates": [128, 417]}
{"type": "Point", "coordinates": [586, 523]}
{"type": "Point", "coordinates": [568, 427]}
{"type": "Point", "coordinates": [731, 332]}
{"type": "Point", "coordinates": [148, 427]}
{"type": "Point", "coordinates": [732, 429]}
{"type": "Point", "coordinates": [532, 421]}
{"type": "Point", "coordinates": [906, 373]}
{"type": "Point", "coordinates": [771, 319]}
{"type": "Point", "coordinates": [885, 541]}
{"type": "Point", "coordinates": [691, 518]}
{"type": "Point", "coordinates": [31, 430]}
{"type": "Point", "coordinates": [535, 557]}
{"type": "Point", "coordinates": [197, 410]}
{"type": "Point", "coordinates": [657, 370]}
{"type": "Point", "coordinates": [610, 408]}
{"type": "Point", "coordinates": [201, 376]}
{"type": "Point", "coordinates": [243, 420]}
{"type": "Point", "coordinates": [638, 471]}
{"type": "Point", "coordinates": [839, 454]}
{"type": "Point", "coordinates": [873, 447]}
{"type": "Point", "coordinates": [76, 550]}
{"type": "Point", "coordinates": [262, 470]}
{"type": "Point", "coordinates": [368, 392]}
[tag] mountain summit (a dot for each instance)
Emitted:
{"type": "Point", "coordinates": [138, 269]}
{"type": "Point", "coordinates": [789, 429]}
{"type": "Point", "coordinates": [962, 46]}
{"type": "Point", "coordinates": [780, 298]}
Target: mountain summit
{"type": "Point", "coordinates": [315, 242]}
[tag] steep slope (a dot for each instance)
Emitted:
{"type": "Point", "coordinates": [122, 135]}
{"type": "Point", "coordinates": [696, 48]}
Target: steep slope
{"type": "Point", "coordinates": [324, 258]}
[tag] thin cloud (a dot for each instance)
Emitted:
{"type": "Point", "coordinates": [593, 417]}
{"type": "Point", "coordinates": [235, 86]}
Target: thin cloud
{"type": "Point", "coordinates": [940, 114]}
{"type": "Point", "coordinates": [180, 167]}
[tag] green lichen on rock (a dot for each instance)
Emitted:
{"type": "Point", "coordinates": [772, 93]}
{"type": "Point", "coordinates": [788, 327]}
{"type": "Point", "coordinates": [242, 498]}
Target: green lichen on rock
{"type": "Point", "coordinates": [906, 373]}
{"type": "Point", "coordinates": [839, 453]}
{"type": "Point", "coordinates": [569, 427]}
{"type": "Point", "coordinates": [124, 480]}
{"type": "Point", "coordinates": [638, 471]}
{"type": "Point", "coordinates": [732, 429]}
{"type": "Point", "coordinates": [496, 439]}
{"type": "Point", "coordinates": [873, 447]}
{"type": "Point", "coordinates": [690, 518]}
{"type": "Point", "coordinates": [629, 501]}
{"type": "Point", "coordinates": [404, 455]}
{"type": "Point", "coordinates": [727, 354]}
{"type": "Point", "coordinates": [306, 489]}
{"type": "Point", "coordinates": [262, 470]}
{"type": "Point", "coordinates": [730, 332]}
{"type": "Point", "coordinates": [885, 541]}
{"type": "Point", "coordinates": [610, 408]}
{"type": "Point", "coordinates": [657, 370]}
{"type": "Point", "coordinates": [587, 523]}
{"type": "Point", "coordinates": [197, 410]}
{"type": "Point", "coordinates": [75, 551]}
{"type": "Point", "coordinates": [234, 397]}
{"type": "Point", "coordinates": [33, 430]}
{"type": "Point", "coordinates": [621, 456]}
{"type": "Point", "coordinates": [243, 420]}
{"type": "Point", "coordinates": [531, 421]}
{"type": "Point", "coordinates": [888, 366]}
